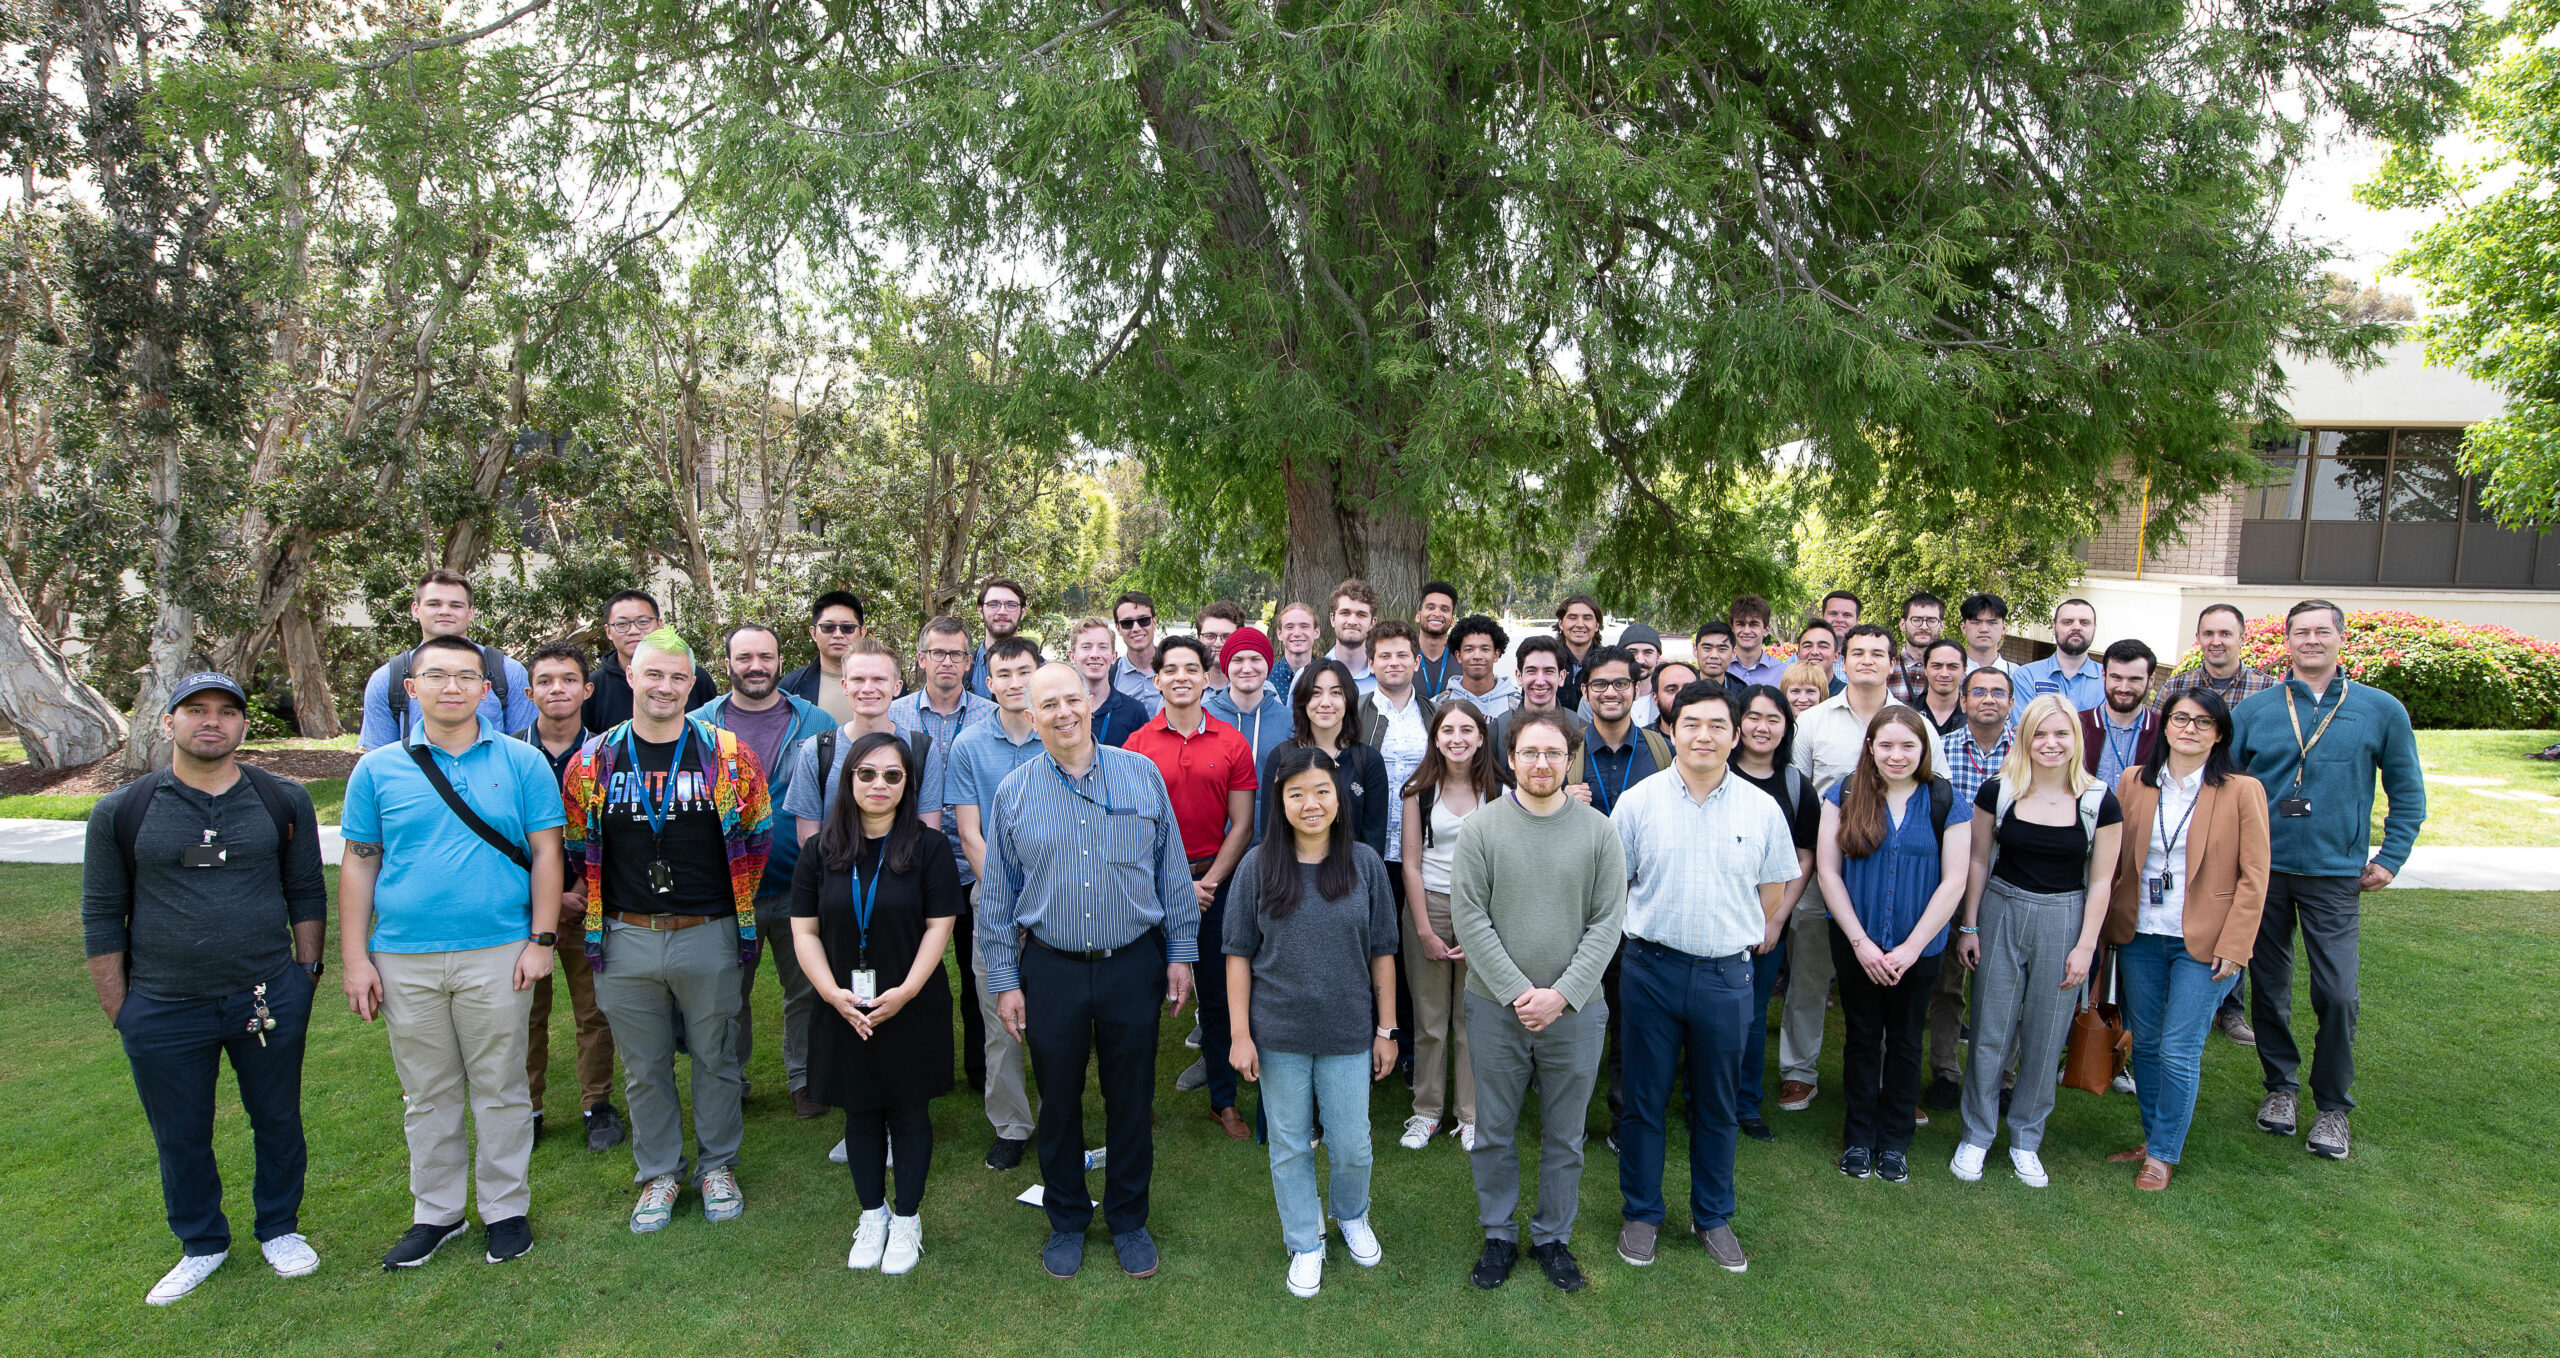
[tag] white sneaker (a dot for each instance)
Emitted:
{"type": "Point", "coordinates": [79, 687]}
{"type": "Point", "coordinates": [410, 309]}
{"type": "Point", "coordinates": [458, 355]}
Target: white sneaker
{"type": "Point", "coordinates": [2030, 1169]}
{"type": "Point", "coordinates": [1361, 1241]}
{"type": "Point", "coordinates": [906, 1244]}
{"type": "Point", "coordinates": [2123, 1083]}
{"type": "Point", "coordinates": [1968, 1162]}
{"type": "Point", "coordinates": [870, 1239]}
{"type": "Point", "coordinates": [1467, 1136]}
{"type": "Point", "coordinates": [195, 1268]}
{"type": "Point", "coordinates": [1418, 1131]}
{"type": "Point", "coordinates": [1306, 1273]}
{"type": "Point", "coordinates": [837, 1156]}
{"type": "Point", "coordinates": [291, 1256]}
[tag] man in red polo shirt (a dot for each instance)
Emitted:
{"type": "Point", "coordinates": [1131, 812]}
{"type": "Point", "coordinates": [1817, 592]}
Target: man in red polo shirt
{"type": "Point", "coordinates": [1209, 779]}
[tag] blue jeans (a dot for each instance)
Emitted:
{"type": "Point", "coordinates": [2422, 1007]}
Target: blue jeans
{"type": "Point", "coordinates": [177, 1048]}
{"type": "Point", "coordinates": [1765, 971]}
{"type": "Point", "coordinates": [1681, 1012]}
{"type": "Point", "coordinates": [1294, 1087]}
{"type": "Point", "coordinates": [2169, 1002]}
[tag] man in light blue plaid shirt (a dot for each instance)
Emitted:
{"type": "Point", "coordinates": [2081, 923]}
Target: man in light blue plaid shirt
{"type": "Point", "coordinates": [1972, 755]}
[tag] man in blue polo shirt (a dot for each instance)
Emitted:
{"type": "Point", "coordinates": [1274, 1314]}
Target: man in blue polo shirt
{"type": "Point", "coordinates": [977, 766]}
{"type": "Point", "coordinates": [2070, 671]}
{"type": "Point", "coordinates": [448, 903]}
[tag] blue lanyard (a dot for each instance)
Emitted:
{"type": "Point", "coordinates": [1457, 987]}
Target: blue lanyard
{"type": "Point", "coordinates": [866, 894]}
{"type": "Point", "coordinates": [1599, 782]}
{"type": "Point", "coordinates": [1077, 792]}
{"type": "Point", "coordinates": [1438, 676]}
{"type": "Point", "coordinates": [2122, 750]}
{"type": "Point", "coordinates": [655, 805]}
{"type": "Point", "coordinates": [1101, 734]}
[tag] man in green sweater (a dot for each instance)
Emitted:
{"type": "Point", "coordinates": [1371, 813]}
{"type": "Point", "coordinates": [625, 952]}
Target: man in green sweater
{"type": "Point", "coordinates": [2318, 741]}
{"type": "Point", "coordinates": [1537, 893]}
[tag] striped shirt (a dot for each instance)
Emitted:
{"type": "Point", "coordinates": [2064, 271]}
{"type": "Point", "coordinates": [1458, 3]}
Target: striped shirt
{"type": "Point", "coordinates": [1695, 868]}
{"type": "Point", "coordinates": [1083, 864]}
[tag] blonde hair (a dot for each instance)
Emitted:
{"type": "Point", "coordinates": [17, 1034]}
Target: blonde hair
{"type": "Point", "coordinates": [1805, 672]}
{"type": "Point", "coordinates": [2018, 769]}
{"type": "Point", "coordinates": [1087, 624]}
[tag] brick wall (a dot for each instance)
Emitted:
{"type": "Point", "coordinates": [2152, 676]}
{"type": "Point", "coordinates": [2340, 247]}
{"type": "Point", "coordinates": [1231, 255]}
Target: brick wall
{"type": "Point", "coordinates": [2210, 546]}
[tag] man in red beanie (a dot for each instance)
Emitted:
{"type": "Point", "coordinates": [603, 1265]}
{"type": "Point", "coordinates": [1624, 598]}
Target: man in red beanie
{"type": "Point", "coordinates": [1259, 712]}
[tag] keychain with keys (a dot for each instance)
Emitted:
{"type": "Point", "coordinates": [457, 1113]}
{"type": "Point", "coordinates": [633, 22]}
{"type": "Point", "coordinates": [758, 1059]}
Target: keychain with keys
{"type": "Point", "coordinates": [260, 1022]}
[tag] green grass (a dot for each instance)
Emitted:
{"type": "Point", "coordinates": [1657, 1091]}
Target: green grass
{"type": "Point", "coordinates": [2431, 1240]}
{"type": "Point", "coordinates": [328, 795]}
{"type": "Point", "coordinates": [2484, 790]}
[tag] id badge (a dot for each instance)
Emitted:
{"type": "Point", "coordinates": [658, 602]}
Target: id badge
{"type": "Point", "coordinates": [2160, 889]}
{"type": "Point", "coordinates": [2293, 807]}
{"type": "Point", "coordinates": [202, 856]}
{"type": "Point", "coordinates": [662, 877]}
{"type": "Point", "coordinates": [865, 985]}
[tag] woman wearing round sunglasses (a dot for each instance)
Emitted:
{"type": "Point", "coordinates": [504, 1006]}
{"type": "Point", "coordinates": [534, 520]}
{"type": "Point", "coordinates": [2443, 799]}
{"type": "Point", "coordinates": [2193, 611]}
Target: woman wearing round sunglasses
{"type": "Point", "coordinates": [871, 911]}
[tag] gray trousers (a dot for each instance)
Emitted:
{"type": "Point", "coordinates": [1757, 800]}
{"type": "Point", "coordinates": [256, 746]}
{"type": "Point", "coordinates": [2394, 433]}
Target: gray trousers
{"type": "Point", "coordinates": [1564, 1064]}
{"type": "Point", "coordinates": [647, 977]}
{"type": "Point", "coordinates": [799, 997]}
{"type": "Point", "coordinates": [1008, 1087]}
{"type": "Point", "coordinates": [2020, 1008]}
{"type": "Point", "coordinates": [1808, 989]}
{"type": "Point", "coordinates": [2329, 912]}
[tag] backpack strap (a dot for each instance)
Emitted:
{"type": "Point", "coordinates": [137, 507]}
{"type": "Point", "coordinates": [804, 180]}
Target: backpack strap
{"type": "Point", "coordinates": [270, 790]}
{"type": "Point", "coordinates": [129, 814]}
{"type": "Point", "coordinates": [1428, 796]}
{"type": "Point", "coordinates": [2091, 798]}
{"type": "Point", "coordinates": [1795, 787]}
{"type": "Point", "coordinates": [920, 740]}
{"type": "Point", "coordinates": [1660, 748]}
{"type": "Point", "coordinates": [395, 685]}
{"type": "Point", "coordinates": [826, 756]}
{"type": "Point", "coordinates": [1942, 804]}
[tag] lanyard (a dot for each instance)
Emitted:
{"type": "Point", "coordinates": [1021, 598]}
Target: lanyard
{"type": "Point", "coordinates": [1437, 676]}
{"type": "Point", "coordinates": [866, 894]}
{"type": "Point", "coordinates": [2169, 840]}
{"type": "Point", "coordinates": [2122, 750]}
{"type": "Point", "coordinates": [655, 805]}
{"type": "Point", "coordinates": [1101, 732]}
{"type": "Point", "coordinates": [1599, 780]}
{"type": "Point", "coordinates": [2305, 746]}
{"type": "Point", "coordinates": [1078, 793]}
{"type": "Point", "coordinates": [1975, 762]}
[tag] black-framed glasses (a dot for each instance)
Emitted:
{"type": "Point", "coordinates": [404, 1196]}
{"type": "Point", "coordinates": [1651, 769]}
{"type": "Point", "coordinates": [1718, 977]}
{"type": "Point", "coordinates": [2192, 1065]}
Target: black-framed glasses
{"type": "Point", "coordinates": [1142, 620]}
{"type": "Point", "coordinates": [2191, 721]}
{"type": "Point", "coordinates": [942, 657]}
{"type": "Point", "coordinates": [1608, 685]}
{"type": "Point", "coordinates": [631, 626]}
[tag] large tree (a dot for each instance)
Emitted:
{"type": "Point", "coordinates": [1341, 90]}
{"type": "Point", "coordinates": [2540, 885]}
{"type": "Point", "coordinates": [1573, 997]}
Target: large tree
{"type": "Point", "coordinates": [1354, 271]}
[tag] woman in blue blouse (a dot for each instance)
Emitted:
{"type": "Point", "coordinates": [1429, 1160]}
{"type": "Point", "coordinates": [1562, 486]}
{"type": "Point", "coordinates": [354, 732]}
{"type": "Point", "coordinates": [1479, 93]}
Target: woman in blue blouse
{"type": "Point", "coordinates": [1892, 854]}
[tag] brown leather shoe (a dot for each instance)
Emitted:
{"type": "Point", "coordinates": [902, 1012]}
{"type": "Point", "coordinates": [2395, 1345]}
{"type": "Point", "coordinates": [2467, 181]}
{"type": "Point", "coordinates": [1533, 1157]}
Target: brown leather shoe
{"type": "Point", "coordinates": [2134, 1156]}
{"type": "Point", "coordinates": [1795, 1095]}
{"type": "Point", "coordinates": [1233, 1121]}
{"type": "Point", "coordinates": [805, 1105]}
{"type": "Point", "coordinates": [2154, 1176]}
{"type": "Point", "coordinates": [1919, 1117]}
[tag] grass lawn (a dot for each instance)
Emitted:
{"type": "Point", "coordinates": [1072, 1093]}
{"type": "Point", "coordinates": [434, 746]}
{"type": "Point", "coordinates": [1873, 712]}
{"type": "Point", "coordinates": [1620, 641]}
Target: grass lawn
{"type": "Point", "coordinates": [2429, 1241]}
{"type": "Point", "coordinates": [2484, 790]}
{"type": "Point", "coordinates": [327, 796]}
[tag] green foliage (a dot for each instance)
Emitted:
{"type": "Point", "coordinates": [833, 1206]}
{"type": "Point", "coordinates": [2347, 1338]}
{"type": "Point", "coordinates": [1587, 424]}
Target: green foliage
{"type": "Point", "coordinates": [2490, 262]}
{"type": "Point", "coordinates": [1887, 542]}
{"type": "Point", "coordinates": [2450, 675]}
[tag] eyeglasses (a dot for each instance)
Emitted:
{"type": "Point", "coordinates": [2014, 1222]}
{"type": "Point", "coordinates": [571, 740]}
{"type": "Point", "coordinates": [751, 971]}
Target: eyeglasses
{"type": "Point", "coordinates": [1537, 756]}
{"type": "Point", "coordinates": [839, 629]}
{"type": "Point", "coordinates": [449, 679]}
{"type": "Point", "coordinates": [999, 606]}
{"type": "Point", "coordinates": [1986, 693]}
{"type": "Point", "coordinates": [1142, 620]}
{"type": "Point", "coordinates": [2190, 721]}
{"type": "Point", "coordinates": [633, 626]}
{"type": "Point", "coordinates": [864, 773]}
{"type": "Point", "coordinates": [1608, 685]}
{"type": "Point", "coordinates": [943, 657]}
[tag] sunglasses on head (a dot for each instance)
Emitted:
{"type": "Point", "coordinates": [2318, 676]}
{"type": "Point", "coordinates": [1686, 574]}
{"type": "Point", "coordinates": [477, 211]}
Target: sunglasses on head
{"type": "Point", "coordinates": [866, 774]}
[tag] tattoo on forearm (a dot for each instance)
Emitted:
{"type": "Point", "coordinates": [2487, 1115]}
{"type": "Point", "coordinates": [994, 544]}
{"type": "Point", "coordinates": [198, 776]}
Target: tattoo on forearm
{"type": "Point", "coordinates": [364, 850]}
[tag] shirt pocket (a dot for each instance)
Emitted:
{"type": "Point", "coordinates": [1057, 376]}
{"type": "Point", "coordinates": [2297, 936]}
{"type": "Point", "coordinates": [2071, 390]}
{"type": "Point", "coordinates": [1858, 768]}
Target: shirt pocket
{"type": "Point", "coordinates": [1128, 848]}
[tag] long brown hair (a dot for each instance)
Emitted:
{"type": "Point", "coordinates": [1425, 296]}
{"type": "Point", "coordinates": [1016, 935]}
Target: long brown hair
{"type": "Point", "coordinates": [1484, 772]}
{"type": "Point", "coordinates": [1862, 820]}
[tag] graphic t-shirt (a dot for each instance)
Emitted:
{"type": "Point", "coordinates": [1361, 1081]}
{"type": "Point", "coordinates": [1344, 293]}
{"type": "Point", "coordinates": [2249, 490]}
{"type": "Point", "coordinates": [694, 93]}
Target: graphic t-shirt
{"type": "Point", "coordinates": [687, 840]}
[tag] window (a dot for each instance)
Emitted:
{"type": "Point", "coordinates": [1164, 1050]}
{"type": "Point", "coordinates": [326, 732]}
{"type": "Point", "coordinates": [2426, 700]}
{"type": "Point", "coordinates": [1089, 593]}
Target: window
{"type": "Point", "coordinates": [2381, 506]}
{"type": "Point", "coordinates": [2279, 494]}
{"type": "Point", "coordinates": [2347, 480]}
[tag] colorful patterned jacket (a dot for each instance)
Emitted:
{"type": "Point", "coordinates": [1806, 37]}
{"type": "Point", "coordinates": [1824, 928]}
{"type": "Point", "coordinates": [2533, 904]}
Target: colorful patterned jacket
{"type": "Point", "coordinates": [737, 789]}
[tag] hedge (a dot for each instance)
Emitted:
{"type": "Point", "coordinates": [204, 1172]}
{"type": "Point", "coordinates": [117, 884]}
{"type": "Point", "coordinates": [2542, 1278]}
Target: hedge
{"type": "Point", "coordinates": [2450, 675]}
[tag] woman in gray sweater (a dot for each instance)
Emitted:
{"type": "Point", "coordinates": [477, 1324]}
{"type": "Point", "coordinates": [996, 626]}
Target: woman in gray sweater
{"type": "Point", "coordinates": [1311, 922]}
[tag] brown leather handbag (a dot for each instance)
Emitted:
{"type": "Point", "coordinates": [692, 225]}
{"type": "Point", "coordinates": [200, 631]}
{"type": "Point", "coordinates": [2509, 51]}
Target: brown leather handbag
{"type": "Point", "coordinates": [2097, 1036]}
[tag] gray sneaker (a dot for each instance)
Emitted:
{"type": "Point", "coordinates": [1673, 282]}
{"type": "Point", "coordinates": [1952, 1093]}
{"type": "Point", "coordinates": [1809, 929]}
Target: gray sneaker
{"type": "Point", "coordinates": [2329, 1134]}
{"type": "Point", "coordinates": [2276, 1113]}
{"type": "Point", "coordinates": [1194, 1076]}
{"type": "Point", "coordinates": [1724, 1249]}
{"type": "Point", "coordinates": [1636, 1242]}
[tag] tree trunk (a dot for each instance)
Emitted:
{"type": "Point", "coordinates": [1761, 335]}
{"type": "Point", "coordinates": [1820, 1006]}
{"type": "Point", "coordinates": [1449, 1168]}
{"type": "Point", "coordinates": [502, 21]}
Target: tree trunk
{"type": "Point", "coordinates": [1338, 533]}
{"type": "Point", "coordinates": [173, 627]}
{"type": "Point", "coordinates": [315, 704]}
{"type": "Point", "coordinates": [61, 720]}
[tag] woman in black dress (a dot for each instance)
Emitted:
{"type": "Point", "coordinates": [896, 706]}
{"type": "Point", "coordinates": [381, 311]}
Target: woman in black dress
{"type": "Point", "coordinates": [1325, 715]}
{"type": "Point", "coordinates": [871, 912]}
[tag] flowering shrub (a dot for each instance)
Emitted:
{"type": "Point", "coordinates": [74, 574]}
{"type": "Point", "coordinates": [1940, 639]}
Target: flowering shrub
{"type": "Point", "coordinates": [2450, 675]}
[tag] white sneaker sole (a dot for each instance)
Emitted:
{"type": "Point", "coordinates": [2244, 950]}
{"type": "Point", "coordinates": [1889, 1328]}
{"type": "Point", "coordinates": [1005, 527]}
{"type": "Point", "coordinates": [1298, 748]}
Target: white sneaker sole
{"type": "Point", "coordinates": [1956, 1168]}
{"type": "Point", "coordinates": [304, 1271]}
{"type": "Point", "coordinates": [2031, 1181]}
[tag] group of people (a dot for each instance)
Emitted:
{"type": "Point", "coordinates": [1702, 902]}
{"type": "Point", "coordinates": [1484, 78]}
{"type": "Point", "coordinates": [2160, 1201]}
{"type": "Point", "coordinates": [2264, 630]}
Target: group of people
{"type": "Point", "coordinates": [1590, 875]}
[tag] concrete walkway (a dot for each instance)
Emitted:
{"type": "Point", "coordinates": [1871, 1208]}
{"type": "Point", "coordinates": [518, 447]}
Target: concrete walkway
{"type": "Point", "coordinates": [2431, 865]}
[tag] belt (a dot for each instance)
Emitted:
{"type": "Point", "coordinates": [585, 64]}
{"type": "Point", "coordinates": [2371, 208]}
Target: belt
{"type": "Point", "coordinates": [1670, 953]}
{"type": "Point", "coordinates": [1200, 866]}
{"type": "Point", "coordinates": [1090, 955]}
{"type": "Point", "coordinates": [665, 924]}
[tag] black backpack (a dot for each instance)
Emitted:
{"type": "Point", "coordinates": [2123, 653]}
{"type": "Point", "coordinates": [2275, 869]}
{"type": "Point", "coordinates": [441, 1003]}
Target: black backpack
{"type": "Point", "coordinates": [137, 804]}
{"type": "Point", "coordinates": [396, 685]}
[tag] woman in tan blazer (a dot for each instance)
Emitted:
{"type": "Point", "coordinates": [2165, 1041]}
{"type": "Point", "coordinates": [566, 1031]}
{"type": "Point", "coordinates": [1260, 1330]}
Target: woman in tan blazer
{"type": "Point", "coordinates": [2183, 912]}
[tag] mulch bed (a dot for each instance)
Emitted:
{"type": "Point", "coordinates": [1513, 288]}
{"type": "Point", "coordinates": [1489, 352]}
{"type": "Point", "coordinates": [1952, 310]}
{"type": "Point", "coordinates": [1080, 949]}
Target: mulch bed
{"type": "Point", "coordinates": [104, 776]}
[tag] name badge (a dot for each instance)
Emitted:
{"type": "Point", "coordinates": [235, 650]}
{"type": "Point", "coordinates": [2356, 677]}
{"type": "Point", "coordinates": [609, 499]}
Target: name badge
{"type": "Point", "coordinates": [662, 877]}
{"type": "Point", "coordinates": [865, 985]}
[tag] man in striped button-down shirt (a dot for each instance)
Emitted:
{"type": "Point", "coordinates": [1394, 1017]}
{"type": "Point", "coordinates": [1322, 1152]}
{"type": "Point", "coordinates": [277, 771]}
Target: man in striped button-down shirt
{"type": "Point", "coordinates": [1086, 915]}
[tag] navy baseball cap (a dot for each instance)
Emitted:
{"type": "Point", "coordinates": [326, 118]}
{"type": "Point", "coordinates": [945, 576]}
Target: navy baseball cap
{"type": "Point", "coordinates": [204, 681]}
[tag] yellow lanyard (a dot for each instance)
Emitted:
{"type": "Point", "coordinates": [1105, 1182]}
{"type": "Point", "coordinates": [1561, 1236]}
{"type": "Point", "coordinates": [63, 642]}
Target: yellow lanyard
{"type": "Point", "coordinates": [2305, 746]}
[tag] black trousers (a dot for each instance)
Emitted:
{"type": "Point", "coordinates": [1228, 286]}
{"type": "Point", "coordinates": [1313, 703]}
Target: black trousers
{"type": "Point", "coordinates": [869, 1134]}
{"type": "Point", "coordinates": [1404, 995]}
{"type": "Point", "coordinates": [973, 1025]}
{"type": "Point", "coordinates": [1614, 1058]}
{"type": "Point", "coordinates": [1209, 982]}
{"type": "Point", "coordinates": [1108, 1013]}
{"type": "Point", "coordinates": [2328, 911]}
{"type": "Point", "coordinates": [1887, 1047]}
{"type": "Point", "coordinates": [177, 1048]}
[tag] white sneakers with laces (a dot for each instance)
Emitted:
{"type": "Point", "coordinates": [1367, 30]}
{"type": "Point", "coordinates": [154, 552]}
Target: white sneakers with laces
{"type": "Point", "coordinates": [657, 1204]}
{"type": "Point", "coordinates": [1306, 1272]}
{"type": "Point", "coordinates": [1466, 1136]}
{"type": "Point", "coordinates": [192, 1271]}
{"type": "Point", "coordinates": [291, 1256]}
{"type": "Point", "coordinates": [1968, 1162]}
{"type": "Point", "coordinates": [1418, 1131]}
{"type": "Point", "coordinates": [906, 1244]}
{"type": "Point", "coordinates": [870, 1239]}
{"type": "Point", "coordinates": [1361, 1241]}
{"type": "Point", "coordinates": [2030, 1168]}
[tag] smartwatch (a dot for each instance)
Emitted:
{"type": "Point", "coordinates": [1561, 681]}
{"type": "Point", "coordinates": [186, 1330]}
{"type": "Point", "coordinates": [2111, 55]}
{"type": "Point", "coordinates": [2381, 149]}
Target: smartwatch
{"type": "Point", "coordinates": [311, 968]}
{"type": "Point", "coordinates": [547, 939]}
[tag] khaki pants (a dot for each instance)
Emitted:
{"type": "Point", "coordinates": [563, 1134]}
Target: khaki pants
{"type": "Point", "coordinates": [457, 1026]}
{"type": "Point", "coordinates": [1439, 1020]}
{"type": "Point", "coordinates": [1008, 1084]}
{"type": "Point", "coordinates": [1946, 1018]}
{"type": "Point", "coordinates": [1809, 979]}
{"type": "Point", "coordinates": [595, 1035]}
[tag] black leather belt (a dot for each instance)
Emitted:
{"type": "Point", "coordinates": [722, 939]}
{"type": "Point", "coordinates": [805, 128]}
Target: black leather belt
{"type": "Point", "coordinates": [1672, 954]}
{"type": "Point", "coordinates": [1092, 955]}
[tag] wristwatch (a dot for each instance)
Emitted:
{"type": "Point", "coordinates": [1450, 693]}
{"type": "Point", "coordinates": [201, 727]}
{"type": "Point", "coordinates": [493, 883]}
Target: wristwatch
{"type": "Point", "coordinates": [311, 968]}
{"type": "Point", "coordinates": [547, 939]}
{"type": "Point", "coordinates": [1386, 1032]}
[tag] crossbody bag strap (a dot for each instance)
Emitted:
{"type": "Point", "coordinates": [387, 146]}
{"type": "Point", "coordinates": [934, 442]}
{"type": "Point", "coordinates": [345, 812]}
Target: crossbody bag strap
{"type": "Point", "coordinates": [470, 819]}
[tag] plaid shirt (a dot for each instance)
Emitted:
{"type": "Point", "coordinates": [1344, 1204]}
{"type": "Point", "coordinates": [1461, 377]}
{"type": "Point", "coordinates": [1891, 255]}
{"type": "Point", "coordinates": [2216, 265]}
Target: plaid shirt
{"type": "Point", "coordinates": [1968, 765]}
{"type": "Point", "coordinates": [2249, 680]}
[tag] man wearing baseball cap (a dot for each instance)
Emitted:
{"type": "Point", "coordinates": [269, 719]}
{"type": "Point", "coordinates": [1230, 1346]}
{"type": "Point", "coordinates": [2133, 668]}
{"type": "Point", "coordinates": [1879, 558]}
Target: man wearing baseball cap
{"type": "Point", "coordinates": [200, 892]}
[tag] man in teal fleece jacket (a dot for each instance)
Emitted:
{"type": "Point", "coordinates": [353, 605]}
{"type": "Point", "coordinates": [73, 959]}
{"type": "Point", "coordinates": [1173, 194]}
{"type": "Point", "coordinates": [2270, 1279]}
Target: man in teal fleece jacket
{"type": "Point", "coordinates": [2317, 742]}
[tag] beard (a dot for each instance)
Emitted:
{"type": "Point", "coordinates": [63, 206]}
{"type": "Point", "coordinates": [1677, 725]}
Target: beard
{"type": "Point", "coordinates": [2072, 646]}
{"type": "Point", "coordinates": [755, 685]}
{"type": "Point", "coordinates": [2123, 708]}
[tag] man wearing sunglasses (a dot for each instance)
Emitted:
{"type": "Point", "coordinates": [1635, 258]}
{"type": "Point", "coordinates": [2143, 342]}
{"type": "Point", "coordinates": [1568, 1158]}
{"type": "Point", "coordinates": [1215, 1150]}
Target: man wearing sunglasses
{"type": "Point", "coordinates": [629, 616]}
{"type": "Point", "coordinates": [1133, 615]}
{"type": "Point", "coordinates": [835, 623]}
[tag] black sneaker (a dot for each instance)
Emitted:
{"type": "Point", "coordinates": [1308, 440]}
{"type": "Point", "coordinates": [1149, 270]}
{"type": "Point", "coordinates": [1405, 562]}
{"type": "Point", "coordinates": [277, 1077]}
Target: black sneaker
{"type": "Point", "coordinates": [1493, 1267]}
{"type": "Point", "coordinates": [1611, 1141]}
{"type": "Point", "coordinates": [1757, 1130]}
{"type": "Point", "coordinates": [604, 1128]}
{"type": "Point", "coordinates": [1857, 1162]}
{"type": "Point", "coordinates": [537, 1126]}
{"type": "Point", "coordinates": [1892, 1167]}
{"type": "Point", "coordinates": [420, 1243]}
{"type": "Point", "coordinates": [1006, 1153]}
{"type": "Point", "coordinates": [1560, 1266]}
{"type": "Point", "coordinates": [509, 1239]}
{"type": "Point", "coordinates": [1944, 1094]}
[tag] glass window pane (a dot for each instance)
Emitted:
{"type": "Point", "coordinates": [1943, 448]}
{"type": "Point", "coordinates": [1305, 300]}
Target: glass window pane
{"type": "Point", "coordinates": [2425, 489]}
{"type": "Point", "coordinates": [2278, 492]}
{"type": "Point", "coordinates": [2347, 481]}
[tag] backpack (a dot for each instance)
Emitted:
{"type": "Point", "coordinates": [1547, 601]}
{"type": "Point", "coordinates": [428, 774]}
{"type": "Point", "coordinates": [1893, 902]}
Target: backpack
{"type": "Point", "coordinates": [396, 685]}
{"type": "Point", "coordinates": [1655, 745]}
{"type": "Point", "coordinates": [137, 804]}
